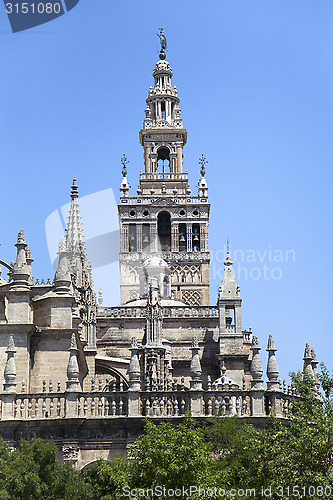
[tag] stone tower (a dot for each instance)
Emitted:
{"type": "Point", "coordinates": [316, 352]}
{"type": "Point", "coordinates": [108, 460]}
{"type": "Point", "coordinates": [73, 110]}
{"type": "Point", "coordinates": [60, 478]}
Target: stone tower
{"type": "Point", "coordinates": [164, 217]}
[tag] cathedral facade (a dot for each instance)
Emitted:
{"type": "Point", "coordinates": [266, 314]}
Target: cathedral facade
{"type": "Point", "coordinates": [85, 374]}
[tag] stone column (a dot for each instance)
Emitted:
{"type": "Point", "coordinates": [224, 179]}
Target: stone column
{"type": "Point", "coordinates": [139, 237]}
{"type": "Point", "coordinates": [147, 159]}
{"type": "Point", "coordinates": [72, 384]}
{"type": "Point", "coordinates": [238, 318]}
{"type": "Point", "coordinates": [153, 237]}
{"type": "Point", "coordinates": [179, 159]}
{"type": "Point", "coordinates": [134, 381]}
{"type": "Point", "coordinates": [196, 393]}
{"type": "Point", "coordinates": [124, 239]}
{"type": "Point", "coordinates": [189, 237]}
{"type": "Point", "coordinates": [9, 387]}
{"type": "Point", "coordinates": [202, 238]}
{"type": "Point", "coordinates": [257, 388]}
{"type": "Point", "coordinates": [174, 238]}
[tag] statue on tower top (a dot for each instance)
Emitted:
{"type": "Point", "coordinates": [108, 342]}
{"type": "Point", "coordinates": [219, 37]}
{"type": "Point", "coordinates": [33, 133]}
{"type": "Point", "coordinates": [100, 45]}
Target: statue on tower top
{"type": "Point", "coordinates": [163, 43]}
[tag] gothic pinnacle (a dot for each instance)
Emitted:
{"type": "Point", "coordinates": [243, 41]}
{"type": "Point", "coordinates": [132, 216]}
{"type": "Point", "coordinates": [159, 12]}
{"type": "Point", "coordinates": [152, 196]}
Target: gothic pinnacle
{"type": "Point", "coordinates": [74, 191]}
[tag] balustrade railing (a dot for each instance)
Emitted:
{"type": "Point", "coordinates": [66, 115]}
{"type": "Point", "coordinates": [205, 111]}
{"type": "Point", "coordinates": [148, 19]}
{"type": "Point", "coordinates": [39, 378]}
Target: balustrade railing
{"type": "Point", "coordinates": [168, 312]}
{"type": "Point", "coordinates": [102, 405]}
{"type": "Point", "coordinates": [147, 200]}
{"type": "Point", "coordinates": [37, 406]}
{"type": "Point", "coordinates": [162, 404]}
{"type": "Point", "coordinates": [226, 403]}
{"type": "Point", "coordinates": [174, 401]}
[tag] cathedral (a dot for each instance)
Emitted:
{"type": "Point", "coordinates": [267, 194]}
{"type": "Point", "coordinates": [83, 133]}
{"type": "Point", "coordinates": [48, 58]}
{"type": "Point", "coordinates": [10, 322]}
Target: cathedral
{"type": "Point", "coordinates": [85, 374]}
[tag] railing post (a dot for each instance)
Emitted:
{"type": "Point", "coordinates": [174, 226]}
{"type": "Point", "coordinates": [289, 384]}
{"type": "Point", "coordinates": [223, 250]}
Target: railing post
{"type": "Point", "coordinates": [72, 384]}
{"type": "Point", "coordinates": [196, 392]}
{"type": "Point", "coordinates": [8, 406]}
{"type": "Point", "coordinates": [134, 381]}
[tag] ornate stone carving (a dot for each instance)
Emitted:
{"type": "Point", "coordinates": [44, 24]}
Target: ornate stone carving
{"type": "Point", "coordinates": [70, 452]}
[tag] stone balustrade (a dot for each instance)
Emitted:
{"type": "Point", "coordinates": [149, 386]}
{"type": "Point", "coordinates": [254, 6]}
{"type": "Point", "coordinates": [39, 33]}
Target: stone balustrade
{"type": "Point", "coordinates": [155, 403]}
{"type": "Point", "coordinates": [165, 404]}
{"type": "Point", "coordinates": [227, 403]}
{"type": "Point", "coordinates": [147, 200]}
{"type": "Point", "coordinates": [168, 312]}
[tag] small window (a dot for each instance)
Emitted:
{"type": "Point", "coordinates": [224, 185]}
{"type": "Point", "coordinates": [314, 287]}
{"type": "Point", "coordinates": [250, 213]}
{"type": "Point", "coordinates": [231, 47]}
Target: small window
{"type": "Point", "coordinates": [182, 213]}
{"type": "Point", "coordinates": [132, 213]}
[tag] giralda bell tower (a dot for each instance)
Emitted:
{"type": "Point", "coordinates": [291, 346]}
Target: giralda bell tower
{"type": "Point", "coordinates": [165, 220]}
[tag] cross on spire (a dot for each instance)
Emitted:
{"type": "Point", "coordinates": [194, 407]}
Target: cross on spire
{"type": "Point", "coordinates": [202, 161]}
{"type": "Point", "coordinates": [124, 162]}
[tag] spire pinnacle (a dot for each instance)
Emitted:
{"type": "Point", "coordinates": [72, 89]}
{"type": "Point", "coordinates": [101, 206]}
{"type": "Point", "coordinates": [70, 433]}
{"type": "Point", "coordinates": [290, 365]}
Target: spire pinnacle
{"type": "Point", "coordinates": [229, 288]}
{"type": "Point", "coordinates": [21, 270]}
{"type": "Point", "coordinates": [74, 191]}
{"type": "Point", "coordinates": [74, 236]}
{"type": "Point", "coordinates": [202, 161]}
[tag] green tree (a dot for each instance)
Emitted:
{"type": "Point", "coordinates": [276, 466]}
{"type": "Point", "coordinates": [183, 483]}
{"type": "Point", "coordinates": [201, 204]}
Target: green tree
{"type": "Point", "coordinates": [32, 472]}
{"type": "Point", "coordinates": [107, 480]}
{"type": "Point", "coordinates": [173, 457]}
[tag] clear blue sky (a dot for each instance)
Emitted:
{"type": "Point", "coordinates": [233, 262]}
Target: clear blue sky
{"type": "Point", "coordinates": [255, 80]}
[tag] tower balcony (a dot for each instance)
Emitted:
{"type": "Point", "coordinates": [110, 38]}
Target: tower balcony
{"type": "Point", "coordinates": [149, 199]}
{"type": "Point", "coordinates": [164, 176]}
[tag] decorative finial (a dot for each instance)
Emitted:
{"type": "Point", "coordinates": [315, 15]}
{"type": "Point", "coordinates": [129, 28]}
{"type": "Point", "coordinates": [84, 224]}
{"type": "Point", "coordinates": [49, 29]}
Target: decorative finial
{"type": "Point", "coordinates": [73, 346]}
{"type": "Point", "coordinates": [202, 161]}
{"type": "Point", "coordinates": [11, 345]}
{"type": "Point", "coordinates": [62, 245]}
{"type": "Point", "coordinates": [124, 162]}
{"type": "Point", "coordinates": [163, 43]}
{"type": "Point", "coordinates": [228, 245]}
{"type": "Point", "coordinates": [74, 191]}
{"type": "Point", "coordinates": [21, 237]}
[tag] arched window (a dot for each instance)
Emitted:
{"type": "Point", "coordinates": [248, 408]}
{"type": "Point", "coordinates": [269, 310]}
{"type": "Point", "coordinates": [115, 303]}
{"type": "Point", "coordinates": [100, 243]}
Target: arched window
{"type": "Point", "coordinates": [163, 160]}
{"type": "Point", "coordinates": [164, 230]}
{"type": "Point", "coordinates": [165, 287]}
{"type": "Point", "coordinates": [196, 237]}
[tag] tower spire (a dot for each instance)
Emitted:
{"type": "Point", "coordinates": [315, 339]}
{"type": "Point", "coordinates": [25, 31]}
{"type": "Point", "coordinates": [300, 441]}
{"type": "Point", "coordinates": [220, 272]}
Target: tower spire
{"type": "Point", "coordinates": [74, 234]}
{"type": "Point", "coordinates": [229, 288]}
{"type": "Point", "coordinates": [80, 270]}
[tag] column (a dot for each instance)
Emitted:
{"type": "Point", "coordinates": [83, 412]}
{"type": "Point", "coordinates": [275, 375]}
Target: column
{"type": "Point", "coordinates": [179, 159]}
{"type": "Point", "coordinates": [174, 238]}
{"type": "Point", "coordinates": [238, 317]}
{"type": "Point", "coordinates": [147, 159]}
{"type": "Point", "coordinates": [139, 237]}
{"type": "Point", "coordinates": [202, 238]}
{"type": "Point", "coordinates": [189, 237]}
{"type": "Point", "coordinates": [153, 237]}
{"type": "Point", "coordinates": [124, 239]}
